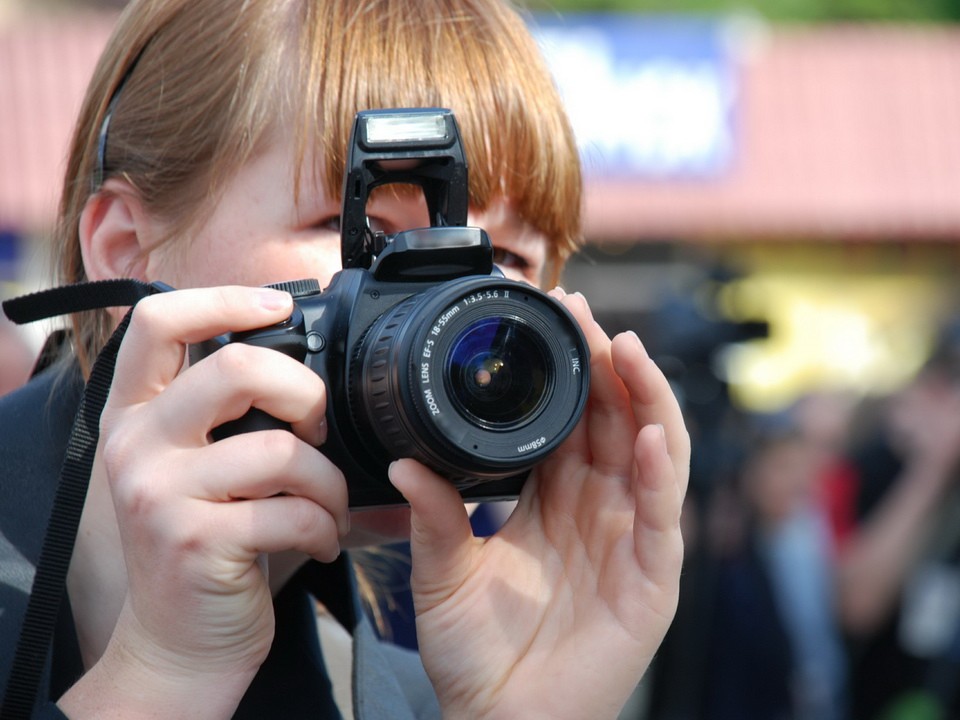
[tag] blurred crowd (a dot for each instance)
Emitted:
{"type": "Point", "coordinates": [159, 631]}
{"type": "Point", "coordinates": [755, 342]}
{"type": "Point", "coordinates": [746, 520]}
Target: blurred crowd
{"type": "Point", "coordinates": [822, 577]}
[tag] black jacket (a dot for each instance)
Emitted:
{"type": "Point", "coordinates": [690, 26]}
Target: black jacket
{"type": "Point", "coordinates": [35, 424]}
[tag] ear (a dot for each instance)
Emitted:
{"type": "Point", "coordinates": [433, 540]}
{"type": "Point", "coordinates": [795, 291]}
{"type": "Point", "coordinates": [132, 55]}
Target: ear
{"type": "Point", "coordinates": [114, 233]}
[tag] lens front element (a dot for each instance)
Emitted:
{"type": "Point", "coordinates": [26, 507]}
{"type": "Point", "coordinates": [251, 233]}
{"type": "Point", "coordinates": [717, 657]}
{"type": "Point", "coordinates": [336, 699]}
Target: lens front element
{"type": "Point", "coordinates": [498, 372]}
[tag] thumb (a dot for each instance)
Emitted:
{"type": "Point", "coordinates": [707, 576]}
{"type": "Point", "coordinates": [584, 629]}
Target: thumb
{"type": "Point", "coordinates": [441, 539]}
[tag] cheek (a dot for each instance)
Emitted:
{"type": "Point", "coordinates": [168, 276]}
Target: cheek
{"type": "Point", "coordinates": [287, 261]}
{"type": "Point", "coordinates": [243, 261]}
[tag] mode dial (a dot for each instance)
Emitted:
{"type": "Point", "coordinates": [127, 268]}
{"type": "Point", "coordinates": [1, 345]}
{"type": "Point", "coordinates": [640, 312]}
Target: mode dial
{"type": "Point", "coordinates": [298, 288]}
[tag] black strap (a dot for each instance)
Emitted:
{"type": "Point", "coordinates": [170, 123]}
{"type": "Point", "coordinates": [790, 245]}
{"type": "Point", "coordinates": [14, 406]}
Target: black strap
{"type": "Point", "coordinates": [79, 297]}
{"type": "Point", "coordinates": [49, 582]}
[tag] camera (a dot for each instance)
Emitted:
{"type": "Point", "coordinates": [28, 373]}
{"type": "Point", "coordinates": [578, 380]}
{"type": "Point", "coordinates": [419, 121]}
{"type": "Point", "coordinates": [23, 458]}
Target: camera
{"type": "Point", "coordinates": [426, 349]}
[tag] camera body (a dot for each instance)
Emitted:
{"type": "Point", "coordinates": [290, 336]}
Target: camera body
{"type": "Point", "coordinates": [426, 350]}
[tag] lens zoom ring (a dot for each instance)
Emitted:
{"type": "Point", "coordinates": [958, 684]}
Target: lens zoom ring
{"type": "Point", "coordinates": [370, 382]}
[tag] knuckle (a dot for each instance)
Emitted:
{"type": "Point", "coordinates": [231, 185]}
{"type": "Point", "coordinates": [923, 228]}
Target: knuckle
{"type": "Point", "coordinates": [186, 539]}
{"type": "Point", "coordinates": [227, 297]}
{"type": "Point", "coordinates": [136, 494]}
{"type": "Point", "coordinates": [303, 516]}
{"type": "Point", "coordinates": [233, 360]}
{"type": "Point", "coordinates": [223, 301]}
{"type": "Point", "coordinates": [136, 489]}
{"type": "Point", "coordinates": [311, 522]}
{"type": "Point", "coordinates": [148, 313]}
{"type": "Point", "coordinates": [117, 446]}
{"type": "Point", "coordinates": [279, 445]}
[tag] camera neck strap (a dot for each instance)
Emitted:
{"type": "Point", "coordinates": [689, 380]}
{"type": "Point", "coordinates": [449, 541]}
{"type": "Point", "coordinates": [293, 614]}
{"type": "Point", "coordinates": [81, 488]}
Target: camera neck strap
{"type": "Point", "coordinates": [49, 583]}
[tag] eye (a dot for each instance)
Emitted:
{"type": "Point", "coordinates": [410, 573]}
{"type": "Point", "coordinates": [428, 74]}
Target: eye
{"type": "Point", "coordinates": [378, 224]}
{"type": "Point", "coordinates": [507, 259]}
{"type": "Point", "coordinates": [330, 223]}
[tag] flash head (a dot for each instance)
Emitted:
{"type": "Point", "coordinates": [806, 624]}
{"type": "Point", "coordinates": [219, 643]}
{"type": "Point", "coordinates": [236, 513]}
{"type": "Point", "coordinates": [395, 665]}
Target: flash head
{"type": "Point", "coordinates": [428, 142]}
{"type": "Point", "coordinates": [406, 128]}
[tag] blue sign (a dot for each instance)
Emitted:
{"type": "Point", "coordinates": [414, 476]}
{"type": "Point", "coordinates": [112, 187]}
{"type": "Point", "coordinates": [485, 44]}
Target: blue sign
{"type": "Point", "coordinates": [9, 254]}
{"type": "Point", "coordinates": [648, 96]}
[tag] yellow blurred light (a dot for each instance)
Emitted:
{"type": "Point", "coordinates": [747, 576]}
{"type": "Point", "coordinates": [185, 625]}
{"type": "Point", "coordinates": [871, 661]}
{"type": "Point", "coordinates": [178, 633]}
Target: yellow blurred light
{"type": "Point", "coordinates": [869, 334]}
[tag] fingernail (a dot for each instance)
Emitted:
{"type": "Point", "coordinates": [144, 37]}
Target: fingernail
{"type": "Point", "coordinates": [636, 339]}
{"type": "Point", "coordinates": [391, 469]}
{"type": "Point", "coordinates": [586, 305]}
{"type": "Point", "coordinates": [271, 299]}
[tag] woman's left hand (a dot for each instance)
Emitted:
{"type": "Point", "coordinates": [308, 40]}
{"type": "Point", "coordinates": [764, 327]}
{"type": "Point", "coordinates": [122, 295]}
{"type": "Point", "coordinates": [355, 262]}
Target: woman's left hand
{"type": "Point", "coordinates": [559, 614]}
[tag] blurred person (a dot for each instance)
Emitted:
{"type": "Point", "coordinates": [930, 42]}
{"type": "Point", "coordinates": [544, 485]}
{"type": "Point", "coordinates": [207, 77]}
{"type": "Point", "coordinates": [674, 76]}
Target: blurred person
{"type": "Point", "coordinates": [827, 419]}
{"type": "Point", "coordinates": [899, 579]}
{"type": "Point", "coordinates": [776, 651]}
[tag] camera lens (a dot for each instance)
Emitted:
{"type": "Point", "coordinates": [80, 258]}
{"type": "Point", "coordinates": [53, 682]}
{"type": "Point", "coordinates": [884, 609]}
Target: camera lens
{"type": "Point", "coordinates": [497, 372]}
{"type": "Point", "coordinates": [479, 378]}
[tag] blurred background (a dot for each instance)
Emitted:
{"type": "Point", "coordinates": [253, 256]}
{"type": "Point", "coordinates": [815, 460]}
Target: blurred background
{"type": "Point", "coordinates": [773, 204]}
{"type": "Point", "coordinates": [793, 162]}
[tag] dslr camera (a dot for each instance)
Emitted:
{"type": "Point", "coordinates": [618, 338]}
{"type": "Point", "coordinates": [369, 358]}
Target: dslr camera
{"type": "Point", "coordinates": [426, 349]}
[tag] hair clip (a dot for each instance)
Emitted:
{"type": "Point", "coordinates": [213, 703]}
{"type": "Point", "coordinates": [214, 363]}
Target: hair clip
{"type": "Point", "coordinates": [99, 170]}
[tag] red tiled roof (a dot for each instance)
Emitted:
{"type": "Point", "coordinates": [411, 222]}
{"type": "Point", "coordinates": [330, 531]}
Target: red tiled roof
{"type": "Point", "coordinates": [843, 132]}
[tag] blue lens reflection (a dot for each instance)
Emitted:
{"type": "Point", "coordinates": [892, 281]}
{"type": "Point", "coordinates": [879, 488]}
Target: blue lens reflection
{"type": "Point", "coordinates": [497, 371]}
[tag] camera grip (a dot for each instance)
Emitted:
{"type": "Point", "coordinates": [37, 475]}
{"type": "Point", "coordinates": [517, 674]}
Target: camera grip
{"type": "Point", "coordinates": [287, 337]}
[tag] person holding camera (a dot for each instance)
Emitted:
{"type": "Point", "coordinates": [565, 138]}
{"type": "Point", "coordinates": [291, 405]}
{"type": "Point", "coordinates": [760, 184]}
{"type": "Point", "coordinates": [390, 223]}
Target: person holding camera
{"type": "Point", "coordinates": [209, 155]}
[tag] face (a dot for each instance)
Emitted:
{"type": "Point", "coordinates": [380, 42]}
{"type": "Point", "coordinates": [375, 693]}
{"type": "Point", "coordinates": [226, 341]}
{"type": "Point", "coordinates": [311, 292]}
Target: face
{"type": "Point", "coordinates": [780, 480]}
{"type": "Point", "coordinates": [257, 234]}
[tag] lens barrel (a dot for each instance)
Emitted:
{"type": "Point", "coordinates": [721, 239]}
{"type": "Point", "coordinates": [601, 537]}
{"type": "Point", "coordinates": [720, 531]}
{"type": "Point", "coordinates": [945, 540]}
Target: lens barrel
{"type": "Point", "coordinates": [479, 378]}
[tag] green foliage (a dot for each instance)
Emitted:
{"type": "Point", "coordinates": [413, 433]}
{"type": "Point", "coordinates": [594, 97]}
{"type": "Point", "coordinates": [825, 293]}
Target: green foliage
{"type": "Point", "coordinates": [777, 10]}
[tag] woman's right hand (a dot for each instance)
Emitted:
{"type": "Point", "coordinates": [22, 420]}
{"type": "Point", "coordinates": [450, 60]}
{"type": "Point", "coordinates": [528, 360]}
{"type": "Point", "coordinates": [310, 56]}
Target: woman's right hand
{"type": "Point", "coordinates": [194, 515]}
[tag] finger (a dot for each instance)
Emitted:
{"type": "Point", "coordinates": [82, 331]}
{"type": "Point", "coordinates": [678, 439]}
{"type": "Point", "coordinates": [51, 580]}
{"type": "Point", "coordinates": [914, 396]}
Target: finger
{"type": "Point", "coordinates": [651, 398]}
{"type": "Point", "coordinates": [273, 462]}
{"type": "Point", "coordinates": [281, 523]}
{"type": "Point", "coordinates": [226, 384]}
{"type": "Point", "coordinates": [157, 521]}
{"type": "Point", "coordinates": [152, 351]}
{"type": "Point", "coordinates": [658, 495]}
{"type": "Point", "coordinates": [440, 533]}
{"type": "Point", "coordinates": [611, 427]}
